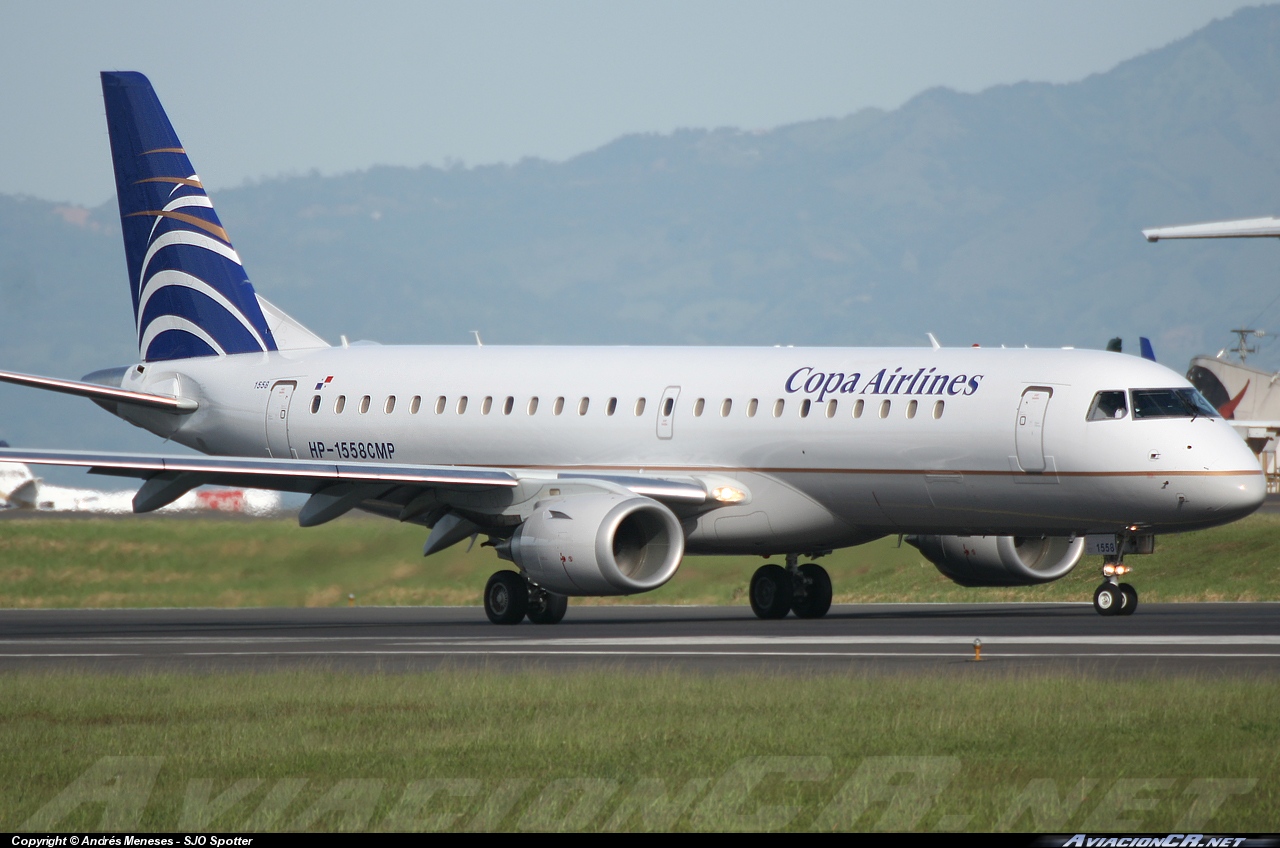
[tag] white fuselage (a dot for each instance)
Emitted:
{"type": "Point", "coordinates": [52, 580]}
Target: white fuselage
{"type": "Point", "coordinates": [832, 446]}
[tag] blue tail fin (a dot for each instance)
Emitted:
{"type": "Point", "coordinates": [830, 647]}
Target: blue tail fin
{"type": "Point", "coordinates": [1147, 352]}
{"type": "Point", "coordinates": [190, 293]}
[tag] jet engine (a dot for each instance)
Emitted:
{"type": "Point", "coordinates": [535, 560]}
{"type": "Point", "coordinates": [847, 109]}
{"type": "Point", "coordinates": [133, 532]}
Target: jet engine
{"type": "Point", "coordinates": [1001, 560]}
{"type": "Point", "coordinates": [598, 544]}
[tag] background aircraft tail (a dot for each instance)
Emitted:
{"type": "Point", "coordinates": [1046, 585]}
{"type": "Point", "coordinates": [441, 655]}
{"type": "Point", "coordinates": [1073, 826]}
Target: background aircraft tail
{"type": "Point", "coordinates": [191, 296]}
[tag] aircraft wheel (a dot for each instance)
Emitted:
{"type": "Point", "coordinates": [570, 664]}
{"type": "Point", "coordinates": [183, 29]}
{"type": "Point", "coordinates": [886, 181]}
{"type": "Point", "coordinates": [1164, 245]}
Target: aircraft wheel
{"type": "Point", "coordinates": [551, 609]}
{"type": "Point", "coordinates": [817, 592]}
{"type": "Point", "coordinates": [1130, 596]}
{"type": "Point", "coordinates": [1107, 599]}
{"type": "Point", "coordinates": [506, 597]}
{"type": "Point", "coordinates": [771, 592]}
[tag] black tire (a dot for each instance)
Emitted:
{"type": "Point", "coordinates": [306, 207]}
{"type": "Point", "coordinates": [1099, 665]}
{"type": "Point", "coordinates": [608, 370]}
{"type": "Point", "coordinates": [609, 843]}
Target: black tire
{"type": "Point", "coordinates": [817, 592]}
{"type": "Point", "coordinates": [550, 611]}
{"type": "Point", "coordinates": [1107, 599]}
{"type": "Point", "coordinates": [771, 592]}
{"type": "Point", "coordinates": [1130, 595]}
{"type": "Point", "coordinates": [506, 597]}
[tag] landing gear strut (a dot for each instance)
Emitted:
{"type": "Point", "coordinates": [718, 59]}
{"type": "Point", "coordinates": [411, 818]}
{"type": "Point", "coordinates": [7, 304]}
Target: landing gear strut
{"type": "Point", "coordinates": [802, 589]}
{"type": "Point", "coordinates": [509, 597]}
{"type": "Point", "coordinates": [1114, 597]}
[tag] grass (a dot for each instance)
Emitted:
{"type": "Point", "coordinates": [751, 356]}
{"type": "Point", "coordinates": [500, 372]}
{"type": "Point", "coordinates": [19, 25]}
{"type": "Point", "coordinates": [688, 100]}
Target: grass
{"type": "Point", "coordinates": [166, 562]}
{"type": "Point", "coordinates": [973, 750]}
{"type": "Point", "coordinates": [582, 751]}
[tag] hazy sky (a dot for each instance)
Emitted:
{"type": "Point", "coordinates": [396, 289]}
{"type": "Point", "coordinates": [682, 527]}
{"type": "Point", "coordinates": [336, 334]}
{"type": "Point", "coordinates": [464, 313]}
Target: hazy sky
{"type": "Point", "coordinates": [258, 89]}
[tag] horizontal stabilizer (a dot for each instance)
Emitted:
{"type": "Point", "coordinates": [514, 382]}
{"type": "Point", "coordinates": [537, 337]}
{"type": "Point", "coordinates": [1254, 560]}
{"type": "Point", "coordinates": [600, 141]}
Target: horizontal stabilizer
{"type": "Point", "coordinates": [94, 391]}
{"type": "Point", "coordinates": [1243, 228]}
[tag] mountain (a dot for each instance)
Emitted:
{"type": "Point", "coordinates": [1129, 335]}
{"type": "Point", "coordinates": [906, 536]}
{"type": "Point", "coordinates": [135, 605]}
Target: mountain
{"type": "Point", "coordinates": [1011, 216]}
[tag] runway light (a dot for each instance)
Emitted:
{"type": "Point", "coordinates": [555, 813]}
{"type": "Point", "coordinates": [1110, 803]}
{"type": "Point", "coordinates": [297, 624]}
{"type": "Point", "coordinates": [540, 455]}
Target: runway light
{"type": "Point", "coordinates": [351, 599]}
{"type": "Point", "coordinates": [728, 494]}
{"type": "Point", "coordinates": [977, 650]}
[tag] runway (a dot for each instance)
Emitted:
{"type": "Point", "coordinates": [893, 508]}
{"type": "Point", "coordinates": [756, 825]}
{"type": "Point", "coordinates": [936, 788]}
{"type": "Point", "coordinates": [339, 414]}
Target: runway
{"type": "Point", "coordinates": [1160, 639]}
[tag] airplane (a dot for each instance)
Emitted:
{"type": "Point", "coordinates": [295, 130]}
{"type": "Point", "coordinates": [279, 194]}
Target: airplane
{"type": "Point", "coordinates": [595, 470]}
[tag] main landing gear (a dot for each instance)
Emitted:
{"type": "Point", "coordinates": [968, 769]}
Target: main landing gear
{"type": "Point", "coordinates": [802, 589]}
{"type": "Point", "coordinates": [1114, 597]}
{"type": "Point", "coordinates": [509, 598]}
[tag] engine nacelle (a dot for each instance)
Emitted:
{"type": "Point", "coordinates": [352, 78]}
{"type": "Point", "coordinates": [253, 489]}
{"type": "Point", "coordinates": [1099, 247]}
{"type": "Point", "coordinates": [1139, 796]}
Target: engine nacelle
{"type": "Point", "coordinates": [1001, 560]}
{"type": "Point", "coordinates": [598, 544]}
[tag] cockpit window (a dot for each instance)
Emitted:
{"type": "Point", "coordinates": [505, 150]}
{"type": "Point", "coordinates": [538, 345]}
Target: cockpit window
{"type": "Point", "coordinates": [1171, 403]}
{"type": "Point", "coordinates": [1107, 406]}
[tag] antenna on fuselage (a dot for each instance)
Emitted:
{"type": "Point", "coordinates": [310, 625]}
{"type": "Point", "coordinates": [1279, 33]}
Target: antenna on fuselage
{"type": "Point", "coordinates": [476, 333]}
{"type": "Point", "coordinates": [933, 341]}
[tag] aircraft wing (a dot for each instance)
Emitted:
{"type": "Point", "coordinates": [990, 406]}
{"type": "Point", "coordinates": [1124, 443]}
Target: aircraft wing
{"type": "Point", "coordinates": [335, 488]}
{"type": "Point", "coordinates": [1243, 228]}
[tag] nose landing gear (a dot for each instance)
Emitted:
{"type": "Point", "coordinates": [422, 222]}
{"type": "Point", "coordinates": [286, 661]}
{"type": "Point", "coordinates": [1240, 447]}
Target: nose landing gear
{"type": "Point", "coordinates": [1114, 597]}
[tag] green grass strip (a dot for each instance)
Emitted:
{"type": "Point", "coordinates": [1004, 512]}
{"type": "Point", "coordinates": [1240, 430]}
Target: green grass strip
{"type": "Point", "coordinates": [163, 562]}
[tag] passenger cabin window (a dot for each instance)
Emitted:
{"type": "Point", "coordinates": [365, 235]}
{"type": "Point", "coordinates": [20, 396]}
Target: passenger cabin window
{"type": "Point", "coordinates": [558, 407]}
{"type": "Point", "coordinates": [533, 405]}
{"type": "Point", "coordinates": [725, 407]}
{"type": "Point", "coordinates": [462, 404]}
{"type": "Point", "coordinates": [698, 406]}
{"type": "Point", "coordinates": [1107, 406]}
{"type": "Point", "coordinates": [486, 405]}
{"type": "Point", "coordinates": [640, 407]}
{"type": "Point", "coordinates": [1170, 403]}
{"type": "Point", "coordinates": [315, 404]}
{"type": "Point", "coordinates": [364, 404]}
{"type": "Point", "coordinates": [415, 404]}
{"type": "Point", "coordinates": [937, 410]}
{"type": "Point", "coordinates": [911, 408]}
{"type": "Point", "coordinates": [778, 406]}
{"type": "Point", "coordinates": [884, 409]}
{"type": "Point", "coordinates": [612, 407]}
{"type": "Point", "coordinates": [508, 405]}
{"type": "Point", "coordinates": [752, 406]}
{"type": "Point", "coordinates": [390, 406]}
{"type": "Point", "coordinates": [340, 404]}
{"type": "Point", "coordinates": [857, 408]}
{"type": "Point", "coordinates": [668, 406]}
{"type": "Point", "coordinates": [583, 405]}
{"type": "Point", "coordinates": [831, 409]}
{"type": "Point", "coordinates": [440, 402]}
{"type": "Point", "coordinates": [804, 408]}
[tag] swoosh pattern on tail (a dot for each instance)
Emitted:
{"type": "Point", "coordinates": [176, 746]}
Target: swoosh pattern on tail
{"type": "Point", "coordinates": [191, 296]}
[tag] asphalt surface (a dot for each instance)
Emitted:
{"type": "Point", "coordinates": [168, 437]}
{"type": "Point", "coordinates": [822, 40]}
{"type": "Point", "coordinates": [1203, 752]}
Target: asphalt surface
{"type": "Point", "coordinates": [1159, 639]}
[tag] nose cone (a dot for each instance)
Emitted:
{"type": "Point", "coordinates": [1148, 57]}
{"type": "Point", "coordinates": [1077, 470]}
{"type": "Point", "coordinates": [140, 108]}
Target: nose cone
{"type": "Point", "coordinates": [1238, 494]}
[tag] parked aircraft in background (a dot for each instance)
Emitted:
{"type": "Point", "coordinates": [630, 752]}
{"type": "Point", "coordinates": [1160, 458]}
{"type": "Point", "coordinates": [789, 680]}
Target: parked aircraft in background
{"type": "Point", "coordinates": [23, 491]}
{"type": "Point", "coordinates": [595, 470]}
{"type": "Point", "coordinates": [1244, 395]}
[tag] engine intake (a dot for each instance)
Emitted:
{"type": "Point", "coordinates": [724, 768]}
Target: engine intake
{"type": "Point", "coordinates": [598, 544]}
{"type": "Point", "coordinates": [1001, 560]}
